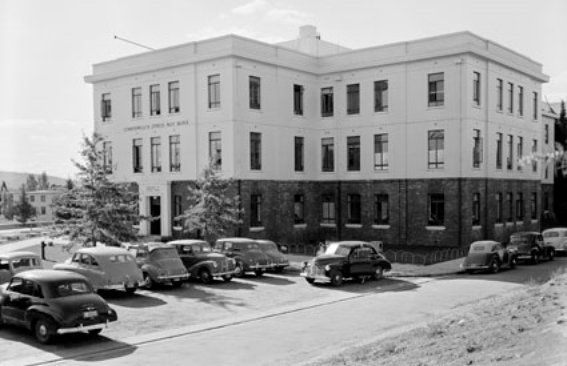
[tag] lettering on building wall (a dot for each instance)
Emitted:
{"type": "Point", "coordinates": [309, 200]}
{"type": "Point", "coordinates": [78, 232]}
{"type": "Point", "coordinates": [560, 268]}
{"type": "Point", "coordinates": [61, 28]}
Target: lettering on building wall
{"type": "Point", "coordinates": [156, 126]}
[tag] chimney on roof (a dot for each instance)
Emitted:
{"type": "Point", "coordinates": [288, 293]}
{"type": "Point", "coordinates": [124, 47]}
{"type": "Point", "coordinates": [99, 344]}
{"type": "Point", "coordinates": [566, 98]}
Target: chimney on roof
{"type": "Point", "coordinates": [308, 31]}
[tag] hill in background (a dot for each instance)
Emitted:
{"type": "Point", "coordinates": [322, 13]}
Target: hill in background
{"type": "Point", "coordinates": [15, 180]}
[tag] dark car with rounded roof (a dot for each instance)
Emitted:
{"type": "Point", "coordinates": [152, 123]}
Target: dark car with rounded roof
{"type": "Point", "coordinates": [247, 254]}
{"type": "Point", "coordinates": [346, 260]}
{"type": "Point", "coordinates": [202, 262]}
{"type": "Point", "coordinates": [488, 255]}
{"type": "Point", "coordinates": [272, 250]}
{"type": "Point", "coordinates": [50, 303]}
{"type": "Point", "coordinates": [529, 245]}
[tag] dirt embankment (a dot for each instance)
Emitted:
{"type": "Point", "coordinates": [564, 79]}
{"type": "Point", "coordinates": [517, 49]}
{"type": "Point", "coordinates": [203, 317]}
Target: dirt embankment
{"type": "Point", "coordinates": [527, 327]}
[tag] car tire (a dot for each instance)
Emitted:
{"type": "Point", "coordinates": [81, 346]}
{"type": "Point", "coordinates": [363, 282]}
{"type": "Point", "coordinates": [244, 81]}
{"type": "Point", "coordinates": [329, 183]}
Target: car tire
{"type": "Point", "coordinates": [44, 329]}
{"type": "Point", "coordinates": [227, 278]}
{"type": "Point", "coordinates": [378, 273]}
{"type": "Point", "coordinates": [535, 257]}
{"type": "Point", "coordinates": [95, 332]}
{"type": "Point", "coordinates": [513, 263]}
{"type": "Point", "coordinates": [551, 255]}
{"type": "Point", "coordinates": [259, 272]}
{"type": "Point", "coordinates": [336, 277]}
{"type": "Point", "coordinates": [310, 281]}
{"type": "Point", "coordinates": [148, 282]}
{"type": "Point", "coordinates": [130, 290]}
{"type": "Point", "coordinates": [205, 276]}
{"type": "Point", "coordinates": [239, 270]}
{"type": "Point", "coordinates": [495, 266]}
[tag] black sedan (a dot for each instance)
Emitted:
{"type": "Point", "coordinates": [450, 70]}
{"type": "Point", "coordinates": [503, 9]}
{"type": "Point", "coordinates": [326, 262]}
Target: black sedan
{"type": "Point", "coordinates": [488, 255]}
{"type": "Point", "coordinates": [50, 302]}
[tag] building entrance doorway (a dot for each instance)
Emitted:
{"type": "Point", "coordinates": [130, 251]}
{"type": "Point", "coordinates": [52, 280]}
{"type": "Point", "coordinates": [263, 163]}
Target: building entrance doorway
{"type": "Point", "coordinates": [155, 212]}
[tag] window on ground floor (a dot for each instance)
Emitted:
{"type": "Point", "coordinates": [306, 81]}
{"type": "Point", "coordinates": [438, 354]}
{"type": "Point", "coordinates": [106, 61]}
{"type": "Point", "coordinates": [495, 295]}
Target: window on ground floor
{"type": "Point", "coordinates": [381, 209]}
{"type": "Point", "coordinates": [354, 210]}
{"type": "Point", "coordinates": [328, 207]}
{"type": "Point", "coordinates": [436, 208]}
{"type": "Point", "coordinates": [256, 210]}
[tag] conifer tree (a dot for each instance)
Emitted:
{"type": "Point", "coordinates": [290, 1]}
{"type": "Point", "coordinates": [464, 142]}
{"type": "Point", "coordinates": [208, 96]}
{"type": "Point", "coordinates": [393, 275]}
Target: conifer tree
{"type": "Point", "coordinates": [23, 211]}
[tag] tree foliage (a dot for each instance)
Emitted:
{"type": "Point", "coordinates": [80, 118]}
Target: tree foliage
{"type": "Point", "coordinates": [96, 209]}
{"type": "Point", "coordinates": [213, 211]}
{"type": "Point", "coordinates": [31, 183]}
{"type": "Point", "coordinates": [23, 211]}
{"type": "Point", "coordinates": [43, 181]}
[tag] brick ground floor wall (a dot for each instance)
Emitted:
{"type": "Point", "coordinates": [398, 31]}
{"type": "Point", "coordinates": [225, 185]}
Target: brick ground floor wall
{"type": "Point", "coordinates": [408, 210]}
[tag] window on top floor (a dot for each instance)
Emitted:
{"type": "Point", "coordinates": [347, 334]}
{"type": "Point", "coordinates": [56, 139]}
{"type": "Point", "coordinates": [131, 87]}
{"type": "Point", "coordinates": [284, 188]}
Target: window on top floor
{"type": "Point", "coordinates": [353, 99]}
{"type": "Point", "coordinates": [255, 92]}
{"type": "Point", "coordinates": [499, 94]}
{"type": "Point", "coordinates": [436, 89]}
{"type": "Point", "coordinates": [298, 100]}
{"type": "Point", "coordinates": [136, 102]}
{"type": "Point", "coordinates": [214, 91]}
{"type": "Point", "coordinates": [155, 100]}
{"type": "Point", "coordinates": [215, 149]}
{"type": "Point", "coordinates": [255, 151]}
{"type": "Point", "coordinates": [520, 100]}
{"type": "Point", "coordinates": [173, 91]}
{"type": "Point", "coordinates": [106, 107]}
{"type": "Point", "coordinates": [510, 98]}
{"type": "Point", "coordinates": [535, 102]}
{"type": "Point", "coordinates": [353, 153]}
{"type": "Point", "coordinates": [174, 153]}
{"type": "Point", "coordinates": [155, 143]}
{"type": "Point", "coordinates": [476, 88]}
{"type": "Point", "coordinates": [477, 148]}
{"type": "Point", "coordinates": [327, 102]}
{"type": "Point", "coordinates": [381, 96]}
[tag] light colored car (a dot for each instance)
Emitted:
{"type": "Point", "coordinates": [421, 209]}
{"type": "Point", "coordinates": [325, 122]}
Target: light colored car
{"type": "Point", "coordinates": [488, 255]}
{"type": "Point", "coordinates": [557, 238]}
{"type": "Point", "coordinates": [16, 262]}
{"type": "Point", "coordinates": [108, 268]}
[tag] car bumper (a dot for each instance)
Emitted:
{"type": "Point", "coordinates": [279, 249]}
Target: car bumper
{"type": "Point", "coordinates": [82, 328]}
{"type": "Point", "coordinates": [256, 267]}
{"type": "Point", "coordinates": [223, 274]}
{"type": "Point", "coordinates": [320, 278]}
{"type": "Point", "coordinates": [173, 278]}
{"type": "Point", "coordinates": [475, 266]}
{"type": "Point", "coordinates": [121, 286]}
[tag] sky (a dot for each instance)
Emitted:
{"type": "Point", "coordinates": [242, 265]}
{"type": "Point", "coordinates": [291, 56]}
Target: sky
{"type": "Point", "coordinates": [48, 46]}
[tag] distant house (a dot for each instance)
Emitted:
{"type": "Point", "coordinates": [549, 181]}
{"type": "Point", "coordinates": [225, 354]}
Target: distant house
{"type": "Point", "coordinates": [41, 200]}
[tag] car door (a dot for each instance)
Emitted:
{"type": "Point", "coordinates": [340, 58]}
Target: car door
{"type": "Point", "coordinates": [19, 298]}
{"type": "Point", "coordinates": [360, 261]}
{"type": "Point", "coordinates": [5, 270]}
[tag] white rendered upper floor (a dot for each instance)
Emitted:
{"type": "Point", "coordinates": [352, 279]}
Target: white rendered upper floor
{"type": "Point", "coordinates": [467, 103]}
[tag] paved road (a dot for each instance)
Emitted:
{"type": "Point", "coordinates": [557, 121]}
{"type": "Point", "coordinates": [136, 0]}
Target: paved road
{"type": "Point", "coordinates": [294, 334]}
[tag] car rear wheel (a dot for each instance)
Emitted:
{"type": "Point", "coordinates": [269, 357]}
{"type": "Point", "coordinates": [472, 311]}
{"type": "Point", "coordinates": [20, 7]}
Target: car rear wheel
{"type": "Point", "coordinates": [310, 280]}
{"type": "Point", "coordinates": [205, 276]}
{"type": "Point", "coordinates": [148, 282]}
{"type": "Point", "coordinates": [495, 266]}
{"type": "Point", "coordinates": [336, 277]}
{"type": "Point", "coordinates": [44, 329]}
{"type": "Point", "coordinates": [379, 273]}
{"type": "Point", "coordinates": [239, 270]}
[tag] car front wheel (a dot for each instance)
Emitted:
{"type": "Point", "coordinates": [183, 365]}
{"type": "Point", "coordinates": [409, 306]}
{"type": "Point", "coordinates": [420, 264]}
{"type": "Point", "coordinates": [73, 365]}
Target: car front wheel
{"type": "Point", "coordinates": [205, 276]}
{"type": "Point", "coordinates": [513, 263]}
{"type": "Point", "coordinates": [379, 273]}
{"type": "Point", "coordinates": [535, 257]}
{"type": "Point", "coordinates": [239, 270]}
{"type": "Point", "coordinates": [551, 255]}
{"type": "Point", "coordinates": [148, 282]}
{"type": "Point", "coordinates": [336, 278]}
{"type": "Point", "coordinates": [495, 266]}
{"type": "Point", "coordinates": [44, 330]}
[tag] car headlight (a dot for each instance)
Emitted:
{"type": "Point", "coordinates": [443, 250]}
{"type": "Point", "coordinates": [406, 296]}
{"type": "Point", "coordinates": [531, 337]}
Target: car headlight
{"type": "Point", "coordinates": [327, 268]}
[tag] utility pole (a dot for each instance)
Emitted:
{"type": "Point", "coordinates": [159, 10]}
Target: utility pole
{"type": "Point", "coordinates": [132, 42]}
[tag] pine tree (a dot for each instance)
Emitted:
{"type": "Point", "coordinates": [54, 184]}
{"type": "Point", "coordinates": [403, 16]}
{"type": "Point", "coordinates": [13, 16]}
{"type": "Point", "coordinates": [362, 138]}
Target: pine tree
{"type": "Point", "coordinates": [43, 181]}
{"type": "Point", "coordinates": [69, 184]}
{"type": "Point", "coordinates": [31, 183]}
{"type": "Point", "coordinates": [213, 211]}
{"type": "Point", "coordinates": [96, 209]}
{"type": "Point", "coordinates": [23, 211]}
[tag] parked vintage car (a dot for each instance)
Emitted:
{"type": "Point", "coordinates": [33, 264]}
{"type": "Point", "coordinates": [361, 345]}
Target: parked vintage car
{"type": "Point", "coordinates": [557, 238]}
{"type": "Point", "coordinates": [247, 254]}
{"type": "Point", "coordinates": [50, 303]}
{"type": "Point", "coordinates": [107, 268]}
{"type": "Point", "coordinates": [201, 262]}
{"type": "Point", "coordinates": [16, 262]}
{"type": "Point", "coordinates": [488, 255]}
{"type": "Point", "coordinates": [159, 262]}
{"type": "Point", "coordinates": [529, 245]}
{"type": "Point", "coordinates": [346, 260]}
{"type": "Point", "coordinates": [272, 250]}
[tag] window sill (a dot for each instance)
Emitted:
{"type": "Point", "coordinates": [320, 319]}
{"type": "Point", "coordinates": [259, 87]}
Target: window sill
{"type": "Point", "coordinates": [477, 227]}
{"type": "Point", "coordinates": [499, 224]}
{"type": "Point", "coordinates": [476, 106]}
{"type": "Point", "coordinates": [433, 107]}
{"type": "Point", "coordinates": [381, 227]}
{"type": "Point", "coordinates": [173, 113]}
{"type": "Point", "coordinates": [255, 110]}
{"type": "Point", "coordinates": [385, 111]}
{"type": "Point", "coordinates": [534, 221]}
{"type": "Point", "coordinates": [327, 225]}
{"type": "Point", "coordinates": [435, 228]}
{"type": "Point", "coordinates": [255, 229]}
{"type": "Point", "coordinates": [299, 116]}
{"type": "Point", "coordinates": [214, 109]}
{"type": "Point", "coordinates": [519, 223]}
{"type": "Point", "coordinates": [300, 226]}
{"type": "Point", "coordinates": [378, 170]}
{"type": "Point", "coordinates": [353, 226]}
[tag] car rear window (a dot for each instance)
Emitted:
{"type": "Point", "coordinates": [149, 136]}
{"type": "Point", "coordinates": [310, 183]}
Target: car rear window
{"type": "Point", "coordinates": [163, 253]}
{"type": "Point", "coordinates": [518, 239]}
{"type": "Point", "coordinates": [121, 258]}
{"type": "Point", "coordinates": [551, 234]}
{"type": "Point", "coordinates": [479, 248]}
{"type": "Point", "coordinates": [72, 288]}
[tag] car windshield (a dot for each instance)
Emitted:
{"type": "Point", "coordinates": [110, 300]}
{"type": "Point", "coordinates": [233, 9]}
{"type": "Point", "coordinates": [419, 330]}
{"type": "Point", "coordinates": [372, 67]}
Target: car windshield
{"type": "Point", "coordinates": [551, 234]}
{"type": "Point", "coordinates": [71, 288]}
{"type": "Point", "coordinates": [163, 253]}
{"type": "Point", "coordinates": [248, 246]}
{"type": "Point", "coordinates": [519, 239]}
{"type": "Point", "coordinates": [201, 247]}
{"type": "Point", "coordinates": [268, 246]}
{"type": "Point", "coordinates": [337, 249]}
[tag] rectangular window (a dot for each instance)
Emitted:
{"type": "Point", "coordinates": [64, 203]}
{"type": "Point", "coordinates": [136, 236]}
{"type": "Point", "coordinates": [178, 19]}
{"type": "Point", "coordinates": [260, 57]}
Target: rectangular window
{"type": "Point", "coordinates": [328, 206]}
{"type": "Point", "coordinates": [136, 102]}
{"type": "Point", "coordinates": [255, 210]}
{"type": "Point", "coordinates": [546, 136]}
{"type": "Point", "coordinates": [498, 150]}
{"type": "Point", "coordinates": [107, 157]}
{"type": "Point", "coordinates": [436, 149]}
{"type": "Point", "coordinates": [174, 153]}
{"type": "Point", "coordinates": [533, 206]}
{"type": "Point", "coordinates": [215, 149]}
{"type": "Point", "coordinates": [381, 160]}
{"type": "Point", "coordinates": [106, 107]}
{"type": "Point", "coordinates": [298, 100]}
{"type": "Point", "coordinates": [255, 151]}
{"type": "Point", "coordinates": [328, 154]}
{"type": "Point", "coordinates": [354, 209]}
{"type": "Point", "coordinates": [353, 99]}
{"type": "Point", "coordinates": [510, 98]}
{"type": "Point", "coordinates": [510, 217]}
{"type": "Point", "coordinates": [535, 105]}
{"type": "Point", "coordinates": [299, 209]}
{"type": "Point", "coordinates": [327, 102]}
{"type": "Point", "coordinates": [499, 94]}
{"type": "Point", "coordinates": [156, 154]}
{"type": "Point", "coordinates": [155, 105]}
{"type": "Point", "coordinates": [42, 198]}
{"type": "Point", "coordinates": [476, 209]}
{"type": "Point", "coordinates": [214, 91]}
{"type": "Point", "coordinates": [510, 158]}
{"type": "Point", "coordinates": [499, 207]}
{"type": "Point", "coordinates": [177, 206]}
{"type": "Point", "coordinates": [137, 163]}
{"type": "Point", "coordinates": [520, 100]}
{"type": "Point", "coordinates": [476, 88]}
{"type": "Point", "coordinates": [298, 149]}
{"type": "Point", "coordinates": [477, 148]}
{"type": "Point", "coordinates": [520, 207]}
{"type": "Point", "coordinates": [520, 151]}
{"type": "Point", "coordinates": [534, 156]}
{"type": "Point", "coordinates": [381, 96]}
{"type": "Point", "coordinates": [32, 198]}
{"type": "Point", "coordinates": [436, 89]}
{"type": "Point", "coordinates": [546, 201]}
{"type": "Point", "coordinates": [173, 91]}
{"type": "Point", "coordinates": [381, 209]}
{"type": "Point", "coordinates": [353, 153]}
{"type": "Point", "coordinates": [43, 210]}
{"type": "Point", "coordinates": [436, 208]}
{"type": "Point", "coordinates": [254, 86]}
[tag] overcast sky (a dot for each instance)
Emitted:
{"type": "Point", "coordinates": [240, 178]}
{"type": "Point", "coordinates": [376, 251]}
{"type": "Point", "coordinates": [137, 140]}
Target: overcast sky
{"type": "Point", "coordinates": [48, 46]}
